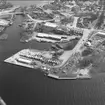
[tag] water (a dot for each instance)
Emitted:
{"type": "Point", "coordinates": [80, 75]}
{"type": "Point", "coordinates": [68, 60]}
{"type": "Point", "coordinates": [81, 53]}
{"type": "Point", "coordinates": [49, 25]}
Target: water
{"type": "Point", "coordinates": [24, 86]}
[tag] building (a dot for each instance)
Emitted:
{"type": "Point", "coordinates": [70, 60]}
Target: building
{"type": "Point", "coordinates": [49, 36]}
{"type": "Point", "coordinates": [49, 24]}
{"type": "Point", "coordinates": [4, 22]}
{"type": "Point", "coordinates": [23, 60]}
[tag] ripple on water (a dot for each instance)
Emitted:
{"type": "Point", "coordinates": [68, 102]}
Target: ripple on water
{"type": "Point", "coordinates": [32, 87]}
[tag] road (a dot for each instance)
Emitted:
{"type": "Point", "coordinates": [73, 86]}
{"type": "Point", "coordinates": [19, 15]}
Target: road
{"type": "Point", "coordinates": [84, 38]}
{"type": "Point", "coordinates": [38, 21]}
{"type": "Point", "coordinates": [9, 11]}
{"type": "Point", "coordinates": [67, 54]}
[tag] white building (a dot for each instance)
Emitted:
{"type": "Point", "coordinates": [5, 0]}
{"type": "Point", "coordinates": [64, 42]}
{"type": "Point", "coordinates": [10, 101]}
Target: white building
{"type": "Point", "coordinates": [23, 60]}
{"type": "Point", "coordinates": [44, 35]}
{"type": "Point", "coordinates": [50, 24]}
{"type": "Point", "coordinates": [4, 22]}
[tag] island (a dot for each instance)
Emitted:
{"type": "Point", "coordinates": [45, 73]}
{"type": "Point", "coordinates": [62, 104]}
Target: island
{"type": "Point", "coordinates": [76, 30]}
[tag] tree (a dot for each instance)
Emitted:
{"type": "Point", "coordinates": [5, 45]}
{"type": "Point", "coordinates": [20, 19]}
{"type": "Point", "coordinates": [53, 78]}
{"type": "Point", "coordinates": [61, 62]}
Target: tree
{"type": "Point", "coordinates": [9, 5]}
{"type": "Point", "coordinates": [23, 9]}
{"type": "Point", "coordinates": [4, 4]}
{"type": "Point", "coordinates": [85, 62]}
{"type": "Point", "coordinates": [33, 6]}
{"type": "Point", "coordinates": [87, 52]}
{"type": "Point", "coordinates": [101, 15]}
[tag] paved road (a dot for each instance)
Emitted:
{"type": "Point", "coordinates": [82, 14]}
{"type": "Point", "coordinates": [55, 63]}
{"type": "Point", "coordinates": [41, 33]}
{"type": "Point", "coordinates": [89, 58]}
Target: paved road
{"type": "Point", "coordinates": [86, 33]}
{"type": "Point", "coordinates": [84, 38]}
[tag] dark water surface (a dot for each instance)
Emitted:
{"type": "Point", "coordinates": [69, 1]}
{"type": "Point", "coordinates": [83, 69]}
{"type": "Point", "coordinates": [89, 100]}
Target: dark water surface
{"type": "Point", "coordinates": [24, 86]}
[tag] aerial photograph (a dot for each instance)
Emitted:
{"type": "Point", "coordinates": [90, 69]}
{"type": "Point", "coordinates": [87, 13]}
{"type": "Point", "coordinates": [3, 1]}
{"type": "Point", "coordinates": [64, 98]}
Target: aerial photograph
{"type": "Point", "coordinates": [52, 52]}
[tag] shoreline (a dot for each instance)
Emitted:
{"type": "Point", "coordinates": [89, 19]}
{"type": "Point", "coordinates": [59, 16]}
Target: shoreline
{"type": "Point", "coordinates": [17, 60]}
{"type": "Point", "coordinates": [66, 68]}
